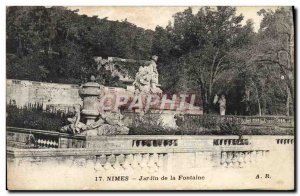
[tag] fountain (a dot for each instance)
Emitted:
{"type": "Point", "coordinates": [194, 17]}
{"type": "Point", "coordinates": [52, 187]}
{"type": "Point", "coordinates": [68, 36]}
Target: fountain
{"type": "Point", "coordinates": [91, 120]}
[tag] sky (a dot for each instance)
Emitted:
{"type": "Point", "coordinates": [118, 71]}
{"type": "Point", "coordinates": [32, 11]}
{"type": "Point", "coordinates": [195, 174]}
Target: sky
{"type": "Point", "coordinates": [150, 17]}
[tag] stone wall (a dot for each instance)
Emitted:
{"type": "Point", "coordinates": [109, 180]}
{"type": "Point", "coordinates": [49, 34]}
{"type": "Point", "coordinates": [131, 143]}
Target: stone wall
{"type": "Point", "coordinates": [157, 154]}
{"type": "Point", "coordinates": [218, 158]}
{"type": "Point", "coordinates": [23, 92]}
{"type": "Point", "coordinates": [215, 146]}
{"type": "Point", "coordinates": [53, 96]}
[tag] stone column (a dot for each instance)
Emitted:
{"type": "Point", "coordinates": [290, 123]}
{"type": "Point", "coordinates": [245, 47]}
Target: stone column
{"type": "Point", "coordinates": [90, 92]}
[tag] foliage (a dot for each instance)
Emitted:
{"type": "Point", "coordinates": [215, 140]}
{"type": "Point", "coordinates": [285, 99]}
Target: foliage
{"type": "Point", "coordinates": [231, 128]}
{"type": "Point", "coordinates": [147, 125]}
{"type": "Point", "coordinates": [181, 131]}
{"type": "Point", "coordinates": [58, 45]}
{"type": "Point", "coordinates": [34, 118]}
{"type": "Point", "coordinates": [210, 51]}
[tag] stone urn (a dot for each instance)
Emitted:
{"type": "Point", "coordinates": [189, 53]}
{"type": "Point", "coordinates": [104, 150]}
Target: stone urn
{"type": "Point", "coordinates": [90, 93]}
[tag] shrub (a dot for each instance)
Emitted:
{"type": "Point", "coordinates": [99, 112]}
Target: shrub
{"type": "Point", "coordinates": [34, 118]}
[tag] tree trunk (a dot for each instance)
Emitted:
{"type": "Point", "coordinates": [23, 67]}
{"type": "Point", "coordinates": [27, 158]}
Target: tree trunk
{"type": "Point", "coordinates": [259, 107]}
{"type": "Point", "coordinates": [247, 94]}
{"type": "Point", "coordinates": [288, 97]}
{"type": "Point", "coordinates": [204, 98]}
{"type": "Point", "coordinates": [20, 48]}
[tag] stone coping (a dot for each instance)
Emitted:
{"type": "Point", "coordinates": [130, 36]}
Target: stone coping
{"type": "Point", "coordinates": [59, 134]}
{"type": "Point", "coordinates": [56, 152]}
{"type": "Point", "coordinates": [44, 132]}
{"type": "Point", "coordinates": [187, 144]}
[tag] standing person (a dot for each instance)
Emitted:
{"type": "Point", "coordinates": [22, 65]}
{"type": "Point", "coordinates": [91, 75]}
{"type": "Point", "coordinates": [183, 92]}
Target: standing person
{"type": "Point", "coordinates": [222, 104]}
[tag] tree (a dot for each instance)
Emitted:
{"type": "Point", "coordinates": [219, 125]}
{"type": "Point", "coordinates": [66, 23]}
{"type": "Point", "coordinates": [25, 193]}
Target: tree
{"type": "Point", "coordinates": [275, 46]}
{"type": "Point", "coordinates": [203, 41]}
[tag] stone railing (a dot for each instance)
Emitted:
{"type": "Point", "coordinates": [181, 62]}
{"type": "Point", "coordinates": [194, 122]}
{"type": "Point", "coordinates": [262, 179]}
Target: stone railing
{"type": "Point", "coordinates": [99, 160]}
{"type": "Point", "coordinates": [155, 143]}
{"type": "Point", "coordinates": [33, 138]}
{"type": "Point", "coordinates": [242, 158]}
{"type": "Point", "coordinates": [147, 152]}
{"type": "Point", "coordinates": [194, 121]}
{"type": "Point", "coordinates": [132, 161]}
{"type": "Point", "coordinates": [231, 142]}
{"type": "Point", "coordinates": [285, 141]}
{"type": "Point", "coordinates": [284, 121]}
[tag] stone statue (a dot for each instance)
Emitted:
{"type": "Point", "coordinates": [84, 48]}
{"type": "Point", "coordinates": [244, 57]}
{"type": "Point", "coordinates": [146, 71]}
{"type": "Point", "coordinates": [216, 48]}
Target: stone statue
{"type": "Point", "coordinates": [112, 125]}
{"type": "Point", "coordinates": [222, 103]}
{"type": "Point", "coordinates": [146, 80]}
{"type": "Point", "coordinates": [75, 125]}
{"type": "Point", "coordinates": [108, 123]}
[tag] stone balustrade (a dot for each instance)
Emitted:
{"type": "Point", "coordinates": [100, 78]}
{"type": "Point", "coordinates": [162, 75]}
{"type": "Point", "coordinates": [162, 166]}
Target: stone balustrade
{"type": "Point", "coordinates": [20, 137]}
{"type": "Point", "coordinates": [33, 138]}
{"type": "Point", "coordinates": [133, 161]}
{"type": "Point", "coordinates": [285, 141]}
{"type": "Point", "coordinates": [155, 143]}
{"type": "Point", "coordinates": [149, 152]}
{"type": "Point", "coordinates": [46, 143]}
{"type": "Point", "coordinates": [229, 142]}
{"type": "Point", "coordinates": [242, 158]}
{"type": "Point", "coordinates": [283, 121]}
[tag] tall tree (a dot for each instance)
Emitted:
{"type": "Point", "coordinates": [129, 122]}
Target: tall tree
{"type": "Point", "coordinates": [275, 47]}
{"type": "Point", "coordinates": [204, 40]}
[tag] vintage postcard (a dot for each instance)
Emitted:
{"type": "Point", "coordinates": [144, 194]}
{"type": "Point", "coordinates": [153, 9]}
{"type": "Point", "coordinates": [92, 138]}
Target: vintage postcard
{"type": "Point", "coordinates": [150, 98]}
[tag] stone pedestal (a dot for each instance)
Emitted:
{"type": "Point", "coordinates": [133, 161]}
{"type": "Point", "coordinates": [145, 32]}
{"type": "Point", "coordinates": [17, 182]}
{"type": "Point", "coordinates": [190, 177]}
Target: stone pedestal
{"type": "Point", "coordinates": [92, 132]}
{"type": "Point", "coordinates": [90, 92]}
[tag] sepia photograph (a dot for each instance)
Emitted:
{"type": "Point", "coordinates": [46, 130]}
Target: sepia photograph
{"type": "Point", "coordinates": [150, 98]}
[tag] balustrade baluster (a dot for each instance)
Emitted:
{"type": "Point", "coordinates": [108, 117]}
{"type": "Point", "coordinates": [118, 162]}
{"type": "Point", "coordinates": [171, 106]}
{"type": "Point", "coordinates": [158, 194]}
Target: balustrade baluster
{"type": "Point", "coordinates": [126, 163]}
{"type": "Point", "coordinates": [98, 166]}
{"type": "Point", "coordinates": [107, 166]}
{"type": "Point", "coordinates": [165, 142]}
{"type": "Point", "coordinates": [151, 143]}
{"type": "Point", "coordinates": [109, 161]}
{"type": "Point", "coordinates": [235, 159]}
{"type": "Point", "coordinates": [116, 165]}
{"type": "Point", "coordinates": [223, 158]}
{"type": "Point", "coordinates": [160, 161]}
{"type": "Point", "coordinates": [247, 158]}
{"type": "Point", "coordinates": [235, 141]}
{"type": "Point", "coordinates": [151, 163]}
{"type": "Point", "coordinates": [216, 142]}
{"type": "Point", "coordinates": [241, 158]}
{"type": "Point", "coordinates": [160, 143]}
{"type": "Point", "coordinates": [144, 161]}
{"type": "Point", "coordinates": [136, 161]}
{"type": "Point", "coordinates": [225, 142]}
{"type": "Point", "coordinates": [43, 143]}
{"type": "Point", "coordinates": [50, 144]}
{"type": "Point", "coordinates": [229, 159]}
{"type": "Point", "coordinates": [253, 156]}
